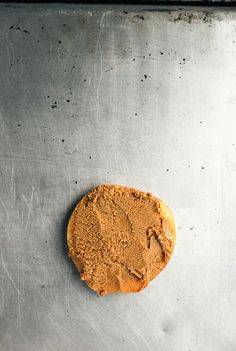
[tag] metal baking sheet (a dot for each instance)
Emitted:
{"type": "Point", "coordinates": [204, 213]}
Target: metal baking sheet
{"type": "Point", "coordinates": [92, 95]}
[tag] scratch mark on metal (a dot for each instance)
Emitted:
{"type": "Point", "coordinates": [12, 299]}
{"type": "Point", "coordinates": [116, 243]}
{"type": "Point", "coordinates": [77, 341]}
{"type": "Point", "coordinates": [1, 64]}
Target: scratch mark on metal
{"type": "Point", "coordinates": [10, 277]}
{"type": "Point", "coordinates": [12, 184]}
{"type": "Point", "coordinates": [5, 209]}
{"type": "Point", "coordinates": [18, 297]}
{"type": "Point", "coordinates": [29, 205]}
{"type": "Point", "coordinates": [67, 288]}
{"type": "Point", "coordinates": [98, 47]}
{"type": "Point", "coordinates": [69, 183]}
{"type": "Point", "coordinates": [2, 300]}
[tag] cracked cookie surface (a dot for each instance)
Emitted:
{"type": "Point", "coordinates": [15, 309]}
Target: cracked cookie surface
{"type": "Point", "coordinates": [120, 238]}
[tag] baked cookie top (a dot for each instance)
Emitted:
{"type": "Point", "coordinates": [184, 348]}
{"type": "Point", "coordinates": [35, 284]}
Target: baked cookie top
{"type": "Point", "coordinates": [120, 238]}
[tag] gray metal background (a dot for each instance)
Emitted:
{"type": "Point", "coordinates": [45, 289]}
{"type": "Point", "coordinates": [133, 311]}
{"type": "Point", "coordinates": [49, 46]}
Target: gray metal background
{"type": "Point", "coordinates": [145, 99]}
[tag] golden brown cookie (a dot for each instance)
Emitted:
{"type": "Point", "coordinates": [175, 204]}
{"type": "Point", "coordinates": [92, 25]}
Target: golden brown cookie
{"type": "Point", "coordinates": [120, 238]}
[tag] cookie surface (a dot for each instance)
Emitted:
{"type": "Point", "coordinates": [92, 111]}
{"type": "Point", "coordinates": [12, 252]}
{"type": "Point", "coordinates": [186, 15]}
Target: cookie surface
{"type": "Point", "coordinates": [120, 238]}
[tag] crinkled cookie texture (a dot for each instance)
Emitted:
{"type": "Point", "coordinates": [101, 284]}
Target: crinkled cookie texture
{"type": "Point", "coordinates": [120, 238]}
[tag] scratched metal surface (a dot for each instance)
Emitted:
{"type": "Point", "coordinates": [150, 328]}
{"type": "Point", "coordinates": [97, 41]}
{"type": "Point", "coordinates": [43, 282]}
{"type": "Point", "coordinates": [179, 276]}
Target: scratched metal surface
{"type": "Point", "coordinates": [147, 99]}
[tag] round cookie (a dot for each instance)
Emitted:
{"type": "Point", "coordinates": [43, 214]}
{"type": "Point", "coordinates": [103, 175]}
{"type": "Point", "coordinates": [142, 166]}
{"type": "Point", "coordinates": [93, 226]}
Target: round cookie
{"type": "Point", "coordinates": [120, 238]}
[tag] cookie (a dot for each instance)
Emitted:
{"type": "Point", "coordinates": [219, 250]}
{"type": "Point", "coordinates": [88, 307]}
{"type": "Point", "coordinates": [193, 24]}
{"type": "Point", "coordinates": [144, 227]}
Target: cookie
{"type": "Point", "coordinates": [120, 238]}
